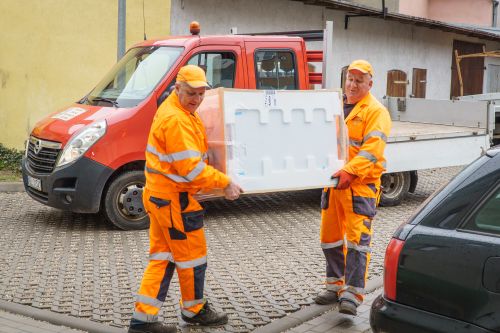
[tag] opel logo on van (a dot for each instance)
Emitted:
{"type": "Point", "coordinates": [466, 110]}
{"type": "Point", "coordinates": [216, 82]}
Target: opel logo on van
{"type": "Point", "coordinates": [37, 147]}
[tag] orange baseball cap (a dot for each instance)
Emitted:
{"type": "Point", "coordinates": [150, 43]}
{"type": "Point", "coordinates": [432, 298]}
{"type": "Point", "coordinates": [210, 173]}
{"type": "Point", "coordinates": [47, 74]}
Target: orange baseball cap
{"type": "Point", "coordinates": [193, 75]}
{"type": "Point", "coordinates": [361, 65]}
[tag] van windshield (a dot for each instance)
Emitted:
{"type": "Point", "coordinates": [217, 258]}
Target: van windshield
{"type": "Point", "coordinates": [133, 78]}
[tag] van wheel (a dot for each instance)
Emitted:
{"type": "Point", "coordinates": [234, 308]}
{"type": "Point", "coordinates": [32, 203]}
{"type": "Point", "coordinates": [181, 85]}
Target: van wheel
{"type": "Point", "coordinates": [395, 186]}
{"type": "Point", "coordinates": [123, 201]}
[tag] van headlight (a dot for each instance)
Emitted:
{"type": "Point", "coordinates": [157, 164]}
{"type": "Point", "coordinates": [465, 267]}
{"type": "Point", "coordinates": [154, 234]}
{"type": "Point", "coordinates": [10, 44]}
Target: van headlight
{"type": "Point", "coordinates": [81, 142]}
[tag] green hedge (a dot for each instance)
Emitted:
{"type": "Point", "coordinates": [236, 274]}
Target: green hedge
{"type": "Point", "coordinates": [10, 159]}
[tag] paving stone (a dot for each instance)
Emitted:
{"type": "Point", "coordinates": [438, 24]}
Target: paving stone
{"type": "Point", "coordinates": [264, 257]}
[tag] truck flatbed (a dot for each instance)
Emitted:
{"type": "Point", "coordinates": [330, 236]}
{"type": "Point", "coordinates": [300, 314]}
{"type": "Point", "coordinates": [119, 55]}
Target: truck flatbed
{"type": "Point", "coordinates": [417, 146]}
{"type": "Point", "coordinates": [412, 131]}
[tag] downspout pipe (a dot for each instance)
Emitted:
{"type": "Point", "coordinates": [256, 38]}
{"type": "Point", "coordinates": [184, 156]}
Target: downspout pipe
{"type": "Point", "coordinates": [122, 12]}
{"type": "Point", "coordinates": [495, 13]}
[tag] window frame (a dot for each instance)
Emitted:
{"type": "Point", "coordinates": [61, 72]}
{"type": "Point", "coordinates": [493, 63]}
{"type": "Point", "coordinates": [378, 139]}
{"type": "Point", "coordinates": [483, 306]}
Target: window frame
{"type": "Point", "coordinates": [219, 52]}
{"type": "Point", "coordinates": [277, 50]}
{"type": "Point", "coordinates": [469, 225]}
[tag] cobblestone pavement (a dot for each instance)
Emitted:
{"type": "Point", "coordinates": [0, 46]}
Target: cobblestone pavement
{"type": "Point", "coordinates": [264, 257]}
{"type": "Point", "coordinates": [335, 322]}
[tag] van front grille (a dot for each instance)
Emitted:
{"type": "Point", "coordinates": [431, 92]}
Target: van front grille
{"type": "Point", "coordinates": [42, 155]}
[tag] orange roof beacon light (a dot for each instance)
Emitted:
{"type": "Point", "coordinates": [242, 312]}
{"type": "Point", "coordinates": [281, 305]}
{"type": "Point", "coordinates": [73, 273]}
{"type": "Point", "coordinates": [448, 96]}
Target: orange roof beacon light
{"type": "Point", "coordinates": [194, 28]}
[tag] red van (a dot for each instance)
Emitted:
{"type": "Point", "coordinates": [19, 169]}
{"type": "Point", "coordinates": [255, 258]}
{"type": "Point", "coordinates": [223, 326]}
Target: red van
{"type": "Point", "coordinates": [89, 156]}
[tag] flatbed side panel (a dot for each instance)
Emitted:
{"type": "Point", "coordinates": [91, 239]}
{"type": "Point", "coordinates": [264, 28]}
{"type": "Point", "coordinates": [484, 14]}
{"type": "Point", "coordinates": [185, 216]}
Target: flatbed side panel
{"type": "Point", "coordinates": [430, 154]}
{"type": "Point", "coordinates": [444, 112]}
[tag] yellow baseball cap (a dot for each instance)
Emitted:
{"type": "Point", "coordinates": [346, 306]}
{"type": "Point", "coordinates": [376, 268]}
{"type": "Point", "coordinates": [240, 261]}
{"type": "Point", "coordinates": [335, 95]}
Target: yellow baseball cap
{"type": "Point", "coordinates": [361, 65]}
{"type": "Point", "coordinates": [193, 75]}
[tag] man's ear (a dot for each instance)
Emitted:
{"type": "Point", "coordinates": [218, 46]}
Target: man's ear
{"type": "Point", "coordinates": [371, 83]}
{"type": "Point", "coordinates": [177, 87]}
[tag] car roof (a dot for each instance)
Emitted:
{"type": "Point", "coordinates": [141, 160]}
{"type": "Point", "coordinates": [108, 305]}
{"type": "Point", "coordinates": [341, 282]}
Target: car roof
{"type": "Point", "coordinates": [215, 40]}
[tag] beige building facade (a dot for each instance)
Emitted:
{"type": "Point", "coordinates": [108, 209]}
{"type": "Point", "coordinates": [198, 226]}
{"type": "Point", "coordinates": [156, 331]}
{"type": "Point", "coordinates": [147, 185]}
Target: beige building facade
{"type": "Point", "coordinates": [53, 52]}
{"type": "Point", "coordinates": [476, 12]}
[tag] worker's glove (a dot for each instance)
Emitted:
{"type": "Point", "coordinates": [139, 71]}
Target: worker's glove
{"type": "Point", "coordinates": [345, 179]}
{"type": "Point", "coordinates": [232, 191]}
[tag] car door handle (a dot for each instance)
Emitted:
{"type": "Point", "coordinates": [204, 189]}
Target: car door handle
{"type": "Point", "coordinates": [491, 274]}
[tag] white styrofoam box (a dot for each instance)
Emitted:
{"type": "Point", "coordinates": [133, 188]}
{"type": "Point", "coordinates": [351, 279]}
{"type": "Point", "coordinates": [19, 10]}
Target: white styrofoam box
{"type": "Point", "coordinates": [281, 140]}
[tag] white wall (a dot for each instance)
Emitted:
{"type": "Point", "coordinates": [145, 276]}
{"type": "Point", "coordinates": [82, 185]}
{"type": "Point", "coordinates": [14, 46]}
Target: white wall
{"type": "Point", "coordinates": [386, 44]}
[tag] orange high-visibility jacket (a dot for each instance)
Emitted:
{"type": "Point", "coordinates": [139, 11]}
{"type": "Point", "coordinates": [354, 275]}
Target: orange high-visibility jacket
{"type": "Point", "coordinates": [176, 154]}
{"type": "Point", "coordinates": [369, 125]}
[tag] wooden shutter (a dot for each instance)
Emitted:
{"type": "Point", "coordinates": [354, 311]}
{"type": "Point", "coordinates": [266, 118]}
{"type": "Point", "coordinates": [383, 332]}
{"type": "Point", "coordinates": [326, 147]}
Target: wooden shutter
{"type": "Point", "coordinates": [472, 69]}
{"type": "Point", "coordinates": [396, 83]}
{"type": "Point", "coordinates": [419, 83]}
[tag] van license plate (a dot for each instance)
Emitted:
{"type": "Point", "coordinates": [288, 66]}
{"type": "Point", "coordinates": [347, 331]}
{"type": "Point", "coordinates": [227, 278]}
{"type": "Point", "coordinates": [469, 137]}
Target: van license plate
{"type": "Point", "coordinates": [35, 183]}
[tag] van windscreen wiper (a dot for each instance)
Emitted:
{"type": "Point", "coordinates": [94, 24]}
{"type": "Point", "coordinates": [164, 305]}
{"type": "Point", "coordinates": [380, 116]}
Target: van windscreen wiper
{"type": "Point", "coordinates": [102, 99]}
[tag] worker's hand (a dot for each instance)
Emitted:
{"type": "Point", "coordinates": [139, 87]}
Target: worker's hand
{"type": "Point", "coordinates": [232, 191]}
{"type": "Point", "coordinates": [345, 179]}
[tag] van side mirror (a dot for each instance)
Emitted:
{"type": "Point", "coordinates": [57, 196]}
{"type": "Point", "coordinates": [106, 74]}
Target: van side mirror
{"type": "Point", "coordinates": [164, 95]}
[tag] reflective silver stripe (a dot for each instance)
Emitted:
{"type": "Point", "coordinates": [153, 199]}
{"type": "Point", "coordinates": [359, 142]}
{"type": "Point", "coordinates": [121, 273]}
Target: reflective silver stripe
{"type": "Point", "coordinates": [384, 165]}
{"type": "Point", "coordinates": [332, 245]}
{"type": "Point", "coordinates": [359, 248]}
{"type": "Point", "coordinates": [350, 296]}
{"type": "Point", "coordinates": [365, 154]}
{"type": "Point", "coordinates": [375, 133]}
{"type": "Point", "coordinates": [188, 313]}
{"type": "Point", "coordinates": [147, 318]}
{"type": "Point", "coordinates": [175, 178]}
{"type": "Point", "coordinates": [182, 155]}
{"type": "Point", "coordinates": [187, 304]}
{"type": "Point", "coordinates": [162, 256]}
{"type": "Point", "coordinates": [179, 179]}
{"type": "Point", "coordinates": [334, 287]}
{"type": "Point", "coordinates": [355, 143]}
{"type": "Point", "coordinates": [334, 279]}
{"type": "Point", "coordinates": [149, 300]}
{"type": "Point", "coordinates": [354, 290]}
{"type": "Point", "coordinates": [205, 156]}
{"type": "Point", "coordinates": [196, 171]}
{"type": "Point", "coordinates": [191, 263]}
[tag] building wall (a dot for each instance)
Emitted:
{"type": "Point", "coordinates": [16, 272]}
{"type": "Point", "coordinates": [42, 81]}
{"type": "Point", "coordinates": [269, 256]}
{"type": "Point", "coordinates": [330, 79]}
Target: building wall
{"type": "Point", "coordinates": [386, 44]}
{"type": "Point", "coordinates": [55, 51]}
{"type": "Point", "coordinates": [392, 5]}
{"type": "Point", "coordinates": [477, 12]}
{"type": "Point", "coordinates": [417, 8]}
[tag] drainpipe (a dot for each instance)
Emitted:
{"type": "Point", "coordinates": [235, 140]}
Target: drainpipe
{"type": "Point", "coordinates": [122, 10]}
{"type": "Point", "coordinates": [495, 10]}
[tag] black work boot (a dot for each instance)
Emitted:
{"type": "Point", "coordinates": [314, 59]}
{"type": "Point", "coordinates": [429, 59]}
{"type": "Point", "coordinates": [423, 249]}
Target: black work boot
{"type": "Point", "coordinates": [155, 327]}
{"type": "Point", "coordinates": [326, 297]}
{"type": "Point", "coordinates": [348, 307]}
{"type": "Point", "coordinates": [206, 317]}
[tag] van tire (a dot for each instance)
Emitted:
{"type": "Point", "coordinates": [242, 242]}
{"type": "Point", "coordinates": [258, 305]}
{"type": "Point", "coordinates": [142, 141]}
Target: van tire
{"type": "Point", "coordinates": [123, 201]}
{"type": "Point", "coordinates": [395, 186]}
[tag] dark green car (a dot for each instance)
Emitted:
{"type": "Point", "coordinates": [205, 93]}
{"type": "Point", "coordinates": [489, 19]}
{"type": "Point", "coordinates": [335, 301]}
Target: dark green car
{"type": "Point", "coordinates": [442, 268]}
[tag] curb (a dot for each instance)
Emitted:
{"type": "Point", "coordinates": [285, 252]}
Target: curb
{"type": "Point", "coordinates": [58, 319]}
{"type": "Point", "coordinates": [310, 312]}
{"type": "Point", "coordinates": [11, 187]}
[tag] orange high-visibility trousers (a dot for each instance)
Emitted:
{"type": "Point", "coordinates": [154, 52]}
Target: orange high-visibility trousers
{"type": "Point", "coordinates": [177, 242]}
{"type": "Point", "coordinates": [346, 220]}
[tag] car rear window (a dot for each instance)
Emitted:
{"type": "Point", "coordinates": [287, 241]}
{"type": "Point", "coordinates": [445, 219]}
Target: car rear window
{"type": "Point", "coordinates": [487, 217]}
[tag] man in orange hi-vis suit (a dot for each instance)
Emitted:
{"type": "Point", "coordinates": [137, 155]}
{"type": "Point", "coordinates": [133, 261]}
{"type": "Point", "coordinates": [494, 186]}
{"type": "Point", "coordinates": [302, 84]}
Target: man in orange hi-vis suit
{"type": "Point", "coordinates": [176, 168]}
{"type": "Point", "coordinates": [349, 207]}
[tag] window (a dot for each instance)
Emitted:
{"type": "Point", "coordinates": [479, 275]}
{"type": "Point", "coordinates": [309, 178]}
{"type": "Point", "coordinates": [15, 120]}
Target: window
{"type": "Point", "coordinates": [419, 83]}
{"type": "Point", "coordinates": [275, 70]}
{"type": "Point", "coordinates": [487, 218]}
{"type": "Point", "coordinates": [219, 66]}
{"type": "Point", "coordinates": [133, 78]}
{"type": "Point", "coordinates": [396, 83]}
